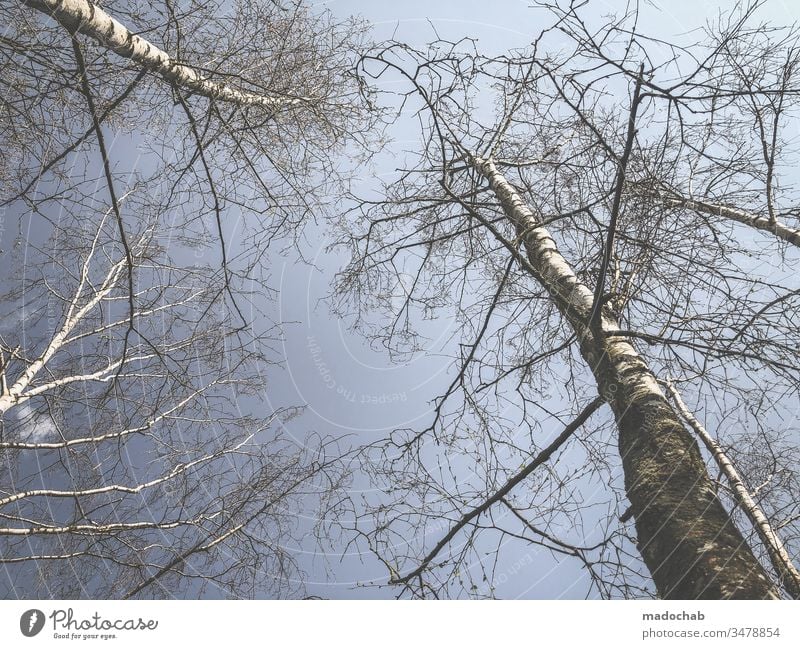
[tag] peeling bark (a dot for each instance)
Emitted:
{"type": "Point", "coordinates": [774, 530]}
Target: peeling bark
{"type": "Point", "coordinates": [686, 538]}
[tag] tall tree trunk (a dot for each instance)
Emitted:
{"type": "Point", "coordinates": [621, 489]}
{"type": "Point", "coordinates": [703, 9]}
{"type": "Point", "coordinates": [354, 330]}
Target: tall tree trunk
{"type": "Point", "coordinates": [689, 543]}
{"type": "Point", "coordinates": [85, 17]}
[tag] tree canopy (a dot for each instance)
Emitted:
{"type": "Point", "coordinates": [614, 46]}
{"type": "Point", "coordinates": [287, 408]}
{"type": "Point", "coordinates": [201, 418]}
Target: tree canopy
{"type": "Point", "coordinates": [607, 219]}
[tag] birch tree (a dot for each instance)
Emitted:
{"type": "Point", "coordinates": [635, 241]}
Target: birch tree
{"type": "Point", "coordinates": [152, 154]}
{"type": "Point", "coordinates": [612, 223]}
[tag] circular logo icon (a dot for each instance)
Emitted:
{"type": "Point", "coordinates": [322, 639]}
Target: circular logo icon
{"type": "Point", "coordinates": [31, 622]}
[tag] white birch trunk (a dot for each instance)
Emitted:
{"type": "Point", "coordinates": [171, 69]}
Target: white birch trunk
{"type": "Point", "coordinates": [780, 230]}
{"type": "Point", "coordinates": [89, 19]}
{"type": "Point", "coordinates": [686, 537]}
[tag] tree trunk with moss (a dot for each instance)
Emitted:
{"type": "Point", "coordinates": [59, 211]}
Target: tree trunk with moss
{"type": "Point", "coordinates": [686, 537]}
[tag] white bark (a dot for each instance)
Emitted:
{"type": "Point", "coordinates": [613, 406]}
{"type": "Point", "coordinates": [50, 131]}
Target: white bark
{"type": "Point", "coordinates": [176, 471]}
{"type": "Point", "coordinates": [780, 230]}
{"type": "Point", "coordinates": [778, 554]}
{"type": "Point", "coordinates": [89, 19]}
{"type": "Point", "coordinates": [14, 394]}
{"type": "Point", "coordinates": [110, 528]}
{"type": "Point", "coordinates": [572, 296]}
{"type": "Point", "coordinates": [686, 537]}
{"type": "Point", "coordinates": [167, 413]}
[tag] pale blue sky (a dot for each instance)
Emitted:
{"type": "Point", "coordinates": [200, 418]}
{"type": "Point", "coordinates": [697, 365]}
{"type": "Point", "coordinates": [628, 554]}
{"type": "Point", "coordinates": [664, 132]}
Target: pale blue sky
{"type": "Point", "coordinates": [354, 390]}
{"type": "Point", "coordinates": [337, 374]}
